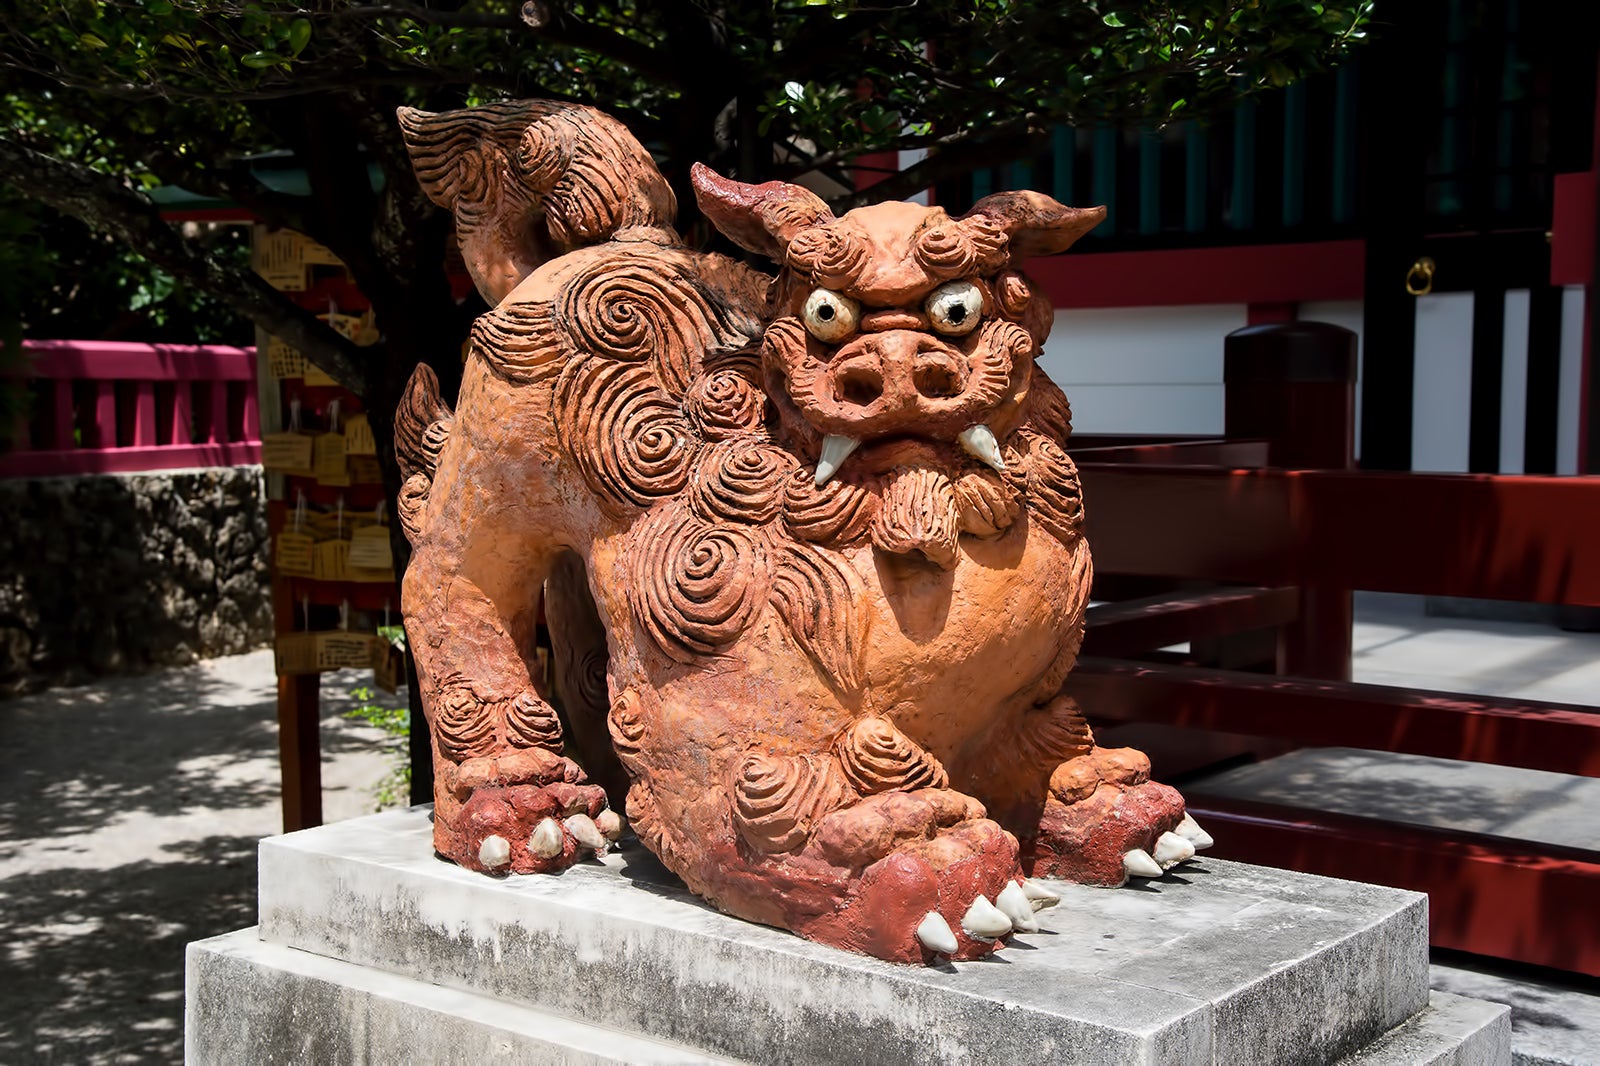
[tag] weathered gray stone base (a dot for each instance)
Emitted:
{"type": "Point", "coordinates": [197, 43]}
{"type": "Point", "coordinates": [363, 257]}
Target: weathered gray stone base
{"type": "Point", "coordinates": [1218, 963]}
{"type": "Point", "coordinates": [1453, 1031]}
{"type": "Point", "coordinates": [264, 1003]}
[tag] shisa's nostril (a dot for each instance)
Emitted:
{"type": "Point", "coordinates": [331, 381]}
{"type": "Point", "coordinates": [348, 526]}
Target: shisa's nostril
{"type": "Point", "coordinates": [858, 385]}
{"type": "Point", "coordinates": [937, 381]}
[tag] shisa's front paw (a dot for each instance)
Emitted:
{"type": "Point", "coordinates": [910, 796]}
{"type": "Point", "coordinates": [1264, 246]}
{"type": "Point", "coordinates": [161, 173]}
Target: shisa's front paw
{"type": "Point", "coordinates": [957, 895]}
{"type": "Point", "coordinates": [1105, 821]}
{"type": "Point", "coordinates": [545, 821]}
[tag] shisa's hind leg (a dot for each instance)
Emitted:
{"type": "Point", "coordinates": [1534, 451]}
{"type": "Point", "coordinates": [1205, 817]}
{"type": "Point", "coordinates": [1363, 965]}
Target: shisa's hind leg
{"type": "Point", "coordinates": [847, 835]}
{"type": "Point", "coordinates": [578, 672]}
{"type": "Point", "coordinates": [1091, 814]}
{"type": "Point", "coordinates": [505, 798]}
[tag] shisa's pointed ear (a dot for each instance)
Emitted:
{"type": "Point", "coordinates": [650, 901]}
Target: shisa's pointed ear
{"type": "Point", "coordinates": [758, 218]}
{"type": "Point", "coordinates": [1034, 223]}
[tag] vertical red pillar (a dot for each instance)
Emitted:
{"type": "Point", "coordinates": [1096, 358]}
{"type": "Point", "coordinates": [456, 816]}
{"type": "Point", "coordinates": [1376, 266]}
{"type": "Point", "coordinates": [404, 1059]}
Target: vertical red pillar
{"type": "Point", "coordinates": [1293, 384]}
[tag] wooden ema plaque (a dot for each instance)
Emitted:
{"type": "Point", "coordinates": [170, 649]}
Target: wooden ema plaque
{"type": "Point", "coordinates": [288, 452]}
{"type": "Point", "coordinates": [293, 553]}
{"type": "Point", "coordinates": [370, 550]}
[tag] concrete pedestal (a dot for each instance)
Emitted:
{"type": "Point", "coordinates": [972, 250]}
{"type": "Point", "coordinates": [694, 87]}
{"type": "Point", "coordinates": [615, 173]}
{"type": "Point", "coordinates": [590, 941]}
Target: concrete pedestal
{"type": "Point", "coordinates": [371, 949]}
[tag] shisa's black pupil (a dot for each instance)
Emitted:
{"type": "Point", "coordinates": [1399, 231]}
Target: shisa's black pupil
{"type": "Point", "coordinates": [957, 313]}
{"type": "Point", "coordinates": [825, 312]}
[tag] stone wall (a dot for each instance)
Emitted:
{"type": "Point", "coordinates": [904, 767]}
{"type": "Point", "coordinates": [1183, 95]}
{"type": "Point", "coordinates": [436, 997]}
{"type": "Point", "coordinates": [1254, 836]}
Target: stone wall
{"type": "Point", "coordinates": [110, 573]}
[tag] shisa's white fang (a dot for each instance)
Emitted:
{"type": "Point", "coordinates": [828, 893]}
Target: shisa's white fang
{"type": "Point", "coordinates": [494, 852]}
{"type": "Point", "coordinates": [1017, 907]}
{"type": "Point", "coordinates": [979, 442]}
{"type": "Point", "coordinates": [983, 919]}
{"type": "Point", "coordinates": [935, 934]}
{"type": "Point", "coordinates": [1172, 849]}
{"type": "Point", "coordinates": [588, 835]}
{"type": "Point", "coordinates": [546, 840]}
{"type": "Point", "coordinates": [1138, 863]}
{"type": "Point", "coordinates": [1190, 830]}
{"type": "Point", "coordinates": [836, 448]}
{"type": "Point", "coordinates": [1038, 895]}
{"type": "Point", "coordinates": [609, 822]}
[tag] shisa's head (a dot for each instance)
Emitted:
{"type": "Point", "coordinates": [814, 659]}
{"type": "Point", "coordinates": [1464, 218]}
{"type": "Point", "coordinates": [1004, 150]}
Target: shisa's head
{"type": "Point", "coordinates": [898, 330]}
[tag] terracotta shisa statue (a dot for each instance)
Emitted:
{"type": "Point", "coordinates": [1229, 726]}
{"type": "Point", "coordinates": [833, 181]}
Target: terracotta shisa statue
{"type": "Point", "coordinates": [811, 548]}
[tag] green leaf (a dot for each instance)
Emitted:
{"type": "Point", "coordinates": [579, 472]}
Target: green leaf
{"type": "Point", "coordinates": [261, 60]}
{"type": "Point", "coordinates": [1113, 20]}
{"type": "Point", "coordinates": [299, 35]}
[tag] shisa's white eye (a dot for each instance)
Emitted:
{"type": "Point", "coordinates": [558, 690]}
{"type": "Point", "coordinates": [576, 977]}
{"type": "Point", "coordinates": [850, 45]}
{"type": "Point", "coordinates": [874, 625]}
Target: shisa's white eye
{"type": "Point", "coordinates": [830, 316]}
{"type": "Point", "coordinates": [955, 307]}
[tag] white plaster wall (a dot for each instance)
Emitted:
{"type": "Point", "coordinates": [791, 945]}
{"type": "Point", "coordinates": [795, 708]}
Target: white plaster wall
{"type": "Point", "coordinates": [1571, 380]}
{"type": "Point", "coordinates": [1346, 313]}
{"type": "Point", "coordinates": [1441, 413]}
{"type": "Point", "coordinates": [1514, 384]}
{"type": "Point", "coordinates": [1142, 369]}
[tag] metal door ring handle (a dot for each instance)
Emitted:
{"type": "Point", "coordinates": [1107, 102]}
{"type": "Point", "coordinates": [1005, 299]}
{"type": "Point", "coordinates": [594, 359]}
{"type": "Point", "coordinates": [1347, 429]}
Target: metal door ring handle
{"type": "Point", "coordinates": [1419, 279]}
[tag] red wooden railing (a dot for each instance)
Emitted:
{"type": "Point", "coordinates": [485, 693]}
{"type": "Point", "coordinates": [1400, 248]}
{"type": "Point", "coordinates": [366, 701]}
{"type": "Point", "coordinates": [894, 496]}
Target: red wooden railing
{"type": "Point", "coordinates": [104, 407]}
{"type": "Point", "coordinates": [1288, 545]}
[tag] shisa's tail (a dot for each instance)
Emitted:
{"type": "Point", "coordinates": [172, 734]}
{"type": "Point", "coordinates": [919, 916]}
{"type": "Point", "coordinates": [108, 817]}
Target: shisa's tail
{"type": "Point", "coordinates": [422, 425]}
{"type": "Point", "coordinates": [530, 180]}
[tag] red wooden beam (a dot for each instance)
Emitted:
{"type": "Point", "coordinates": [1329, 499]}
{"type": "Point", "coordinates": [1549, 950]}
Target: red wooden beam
{"type": "Point", "coordinates": [1249, 274]}
{"type": "Point", "coordinates": [1228, 453]}
{"type": "Point", "coordinates": [129, 361]}
{"type": "Point", "coordinates": [1496, 537]}
{"type": "Point", "coordinates": [1526, 733]}
{"type": "Point", "coordinates": [1488, 895]}
{"type": "Point", "coordinates": [128, 460]}
{"type": "Point", "coordinates": [1135, 626]}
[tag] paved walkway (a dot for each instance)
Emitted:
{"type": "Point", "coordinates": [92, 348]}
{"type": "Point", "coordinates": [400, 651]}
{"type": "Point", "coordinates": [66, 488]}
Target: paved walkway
{"type": "Point", "coordinates": [128, 827]}
{"type": "Point", "coordinates": [131, 811]}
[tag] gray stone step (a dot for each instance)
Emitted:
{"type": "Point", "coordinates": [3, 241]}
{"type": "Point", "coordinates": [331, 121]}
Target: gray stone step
{"type": "Point", "coordinates": [1220, 963]}
{"type": "Point", "coordinates": [1452, 1031]}
{"type": "Point", "coordinates": [1505, 801]}
{"type": "Point", "coordinates": [251, 1001]}
{"type": "Point", "coordinates": [1554, 1021]}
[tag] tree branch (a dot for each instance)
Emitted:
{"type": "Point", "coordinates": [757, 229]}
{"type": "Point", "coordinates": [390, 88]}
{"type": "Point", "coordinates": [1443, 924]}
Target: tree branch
{"type": "Point", "coordinates": [564, 29]}
{"type": "Point", "coordinates": [959, 157]}
{"type": "Point", "coordinates": [111, 206]}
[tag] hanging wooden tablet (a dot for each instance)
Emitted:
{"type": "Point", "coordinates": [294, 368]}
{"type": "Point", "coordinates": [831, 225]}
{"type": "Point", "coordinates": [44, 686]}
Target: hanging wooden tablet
{"type": "Point", "coordinates": [339, 650]}
{"type": "Point", "coordinates": [358, 438]}
{"type": "Point", "coordinates": [295, 653]}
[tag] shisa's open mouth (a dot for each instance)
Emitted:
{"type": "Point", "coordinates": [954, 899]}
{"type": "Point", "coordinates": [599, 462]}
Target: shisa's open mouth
{"type": "Point", "coordinates": [887, 452]}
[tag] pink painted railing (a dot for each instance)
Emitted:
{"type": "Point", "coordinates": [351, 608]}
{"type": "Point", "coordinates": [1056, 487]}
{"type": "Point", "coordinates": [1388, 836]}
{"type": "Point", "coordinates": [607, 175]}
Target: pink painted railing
{"type": "Point", "coordinates": [104, 407]}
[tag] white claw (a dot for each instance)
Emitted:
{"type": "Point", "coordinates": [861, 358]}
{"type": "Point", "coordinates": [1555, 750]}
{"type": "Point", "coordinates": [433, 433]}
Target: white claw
{"type": "Point", "coordinates": [983, 919]}
{"type": "Point", "coordinates": [1139, 863]}
{"type": "Point", "coordinates": [609, 823]}
{"type": "Point", "coordinates": [586, 833]}
{"type": "Point", "coordinates": [1172, 849]}
{"type": "Point", "coordinates": [935, 934]}
{"type": "Point", "coordinates": [546, 839]}
{"type": "Point", "coordinates": [835, 450]}
{"type": "Point", "coordinates": [979, 442]}
{"type": "Point", "coordinates": [1016, 906]}
{"type": "Point", "coordinates": [494, 852]}
{"type": "Point", "coordinates": [1038, 895]}
{"type": "Point", "coordinates": [1190, 830]}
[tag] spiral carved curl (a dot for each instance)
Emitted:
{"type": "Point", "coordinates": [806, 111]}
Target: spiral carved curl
{"type": "Point", "coordinates": [838, 513]}
{"type": "Point", "coordinates": [741, 480]}
{"type": "Point", "coordinates": [695, 587]}
{"type": "Point", "coordinates": [532, 723]}
{"type": "Point", "coordinates": [724, 403]}
{"type": "Point", "coordinates": [629, 439]}
{"type": "Point", "coordinates": [877, 757]}
{"type": "Point", "coordinates": [463, 725]}
{"type": "Point", "coordinates": [778, 798]}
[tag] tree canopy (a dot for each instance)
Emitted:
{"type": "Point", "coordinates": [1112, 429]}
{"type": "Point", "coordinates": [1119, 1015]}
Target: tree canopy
{"type": "Point", "coordinates": [103, 100]}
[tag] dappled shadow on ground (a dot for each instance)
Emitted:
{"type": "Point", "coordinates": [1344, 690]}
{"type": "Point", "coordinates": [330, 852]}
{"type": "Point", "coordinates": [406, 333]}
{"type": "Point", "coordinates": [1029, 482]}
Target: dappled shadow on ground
{"type": "Point", "coordinates": [165, 743]}
{"type": "Point", "coordinates": [94, 958]}
{"type": "Point", "coordinates": [129, 820]}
